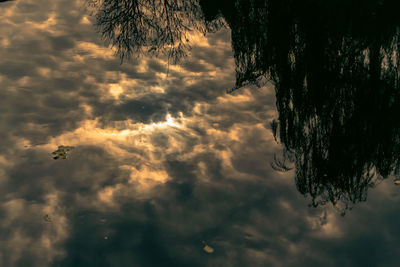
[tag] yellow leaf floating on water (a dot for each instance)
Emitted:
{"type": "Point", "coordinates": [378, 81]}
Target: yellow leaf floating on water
{"type": "Point", "coordinates": [208, 249]}
{"type": "Point", "coordinates": [397, 182]}
{"type": "Point", "coordinates": [61, 152]}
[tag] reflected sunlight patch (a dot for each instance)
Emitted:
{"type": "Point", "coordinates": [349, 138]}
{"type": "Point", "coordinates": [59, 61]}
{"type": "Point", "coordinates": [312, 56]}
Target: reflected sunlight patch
{"type": "Point", "coordinates": [48, 25]}
{"type": "Point", "coordinates": [4, 41]}
{"type": "Point", "coordinates": [145, 147]}
{"type": "Point", "coordinates": [45, 72]}
{"type": "Point", "coordinates": [133, 143]}
{"type": "Point", "coordinates": [85, 50]}
{"type": "Point", "coordinates": [106, 194]}
{"type": "Point", "coordinates": [90, 133]}
{"type": "Point", "coordinates": [116, 90]}
{"type": "Point", "coordinates": [325, 225]}
{"type": "Point", "coordinates": [146, 177]}
{"type": "Point", "coordinates": [85, 20]}
{"type": "Point", "coordinates": [118, 84]}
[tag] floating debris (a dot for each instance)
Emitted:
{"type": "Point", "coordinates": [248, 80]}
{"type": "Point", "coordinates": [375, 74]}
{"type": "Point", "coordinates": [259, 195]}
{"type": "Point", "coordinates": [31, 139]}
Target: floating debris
{"type": "Point", "coordinates": [207, 248]}
{"type": "Point", "coordinates": [106, 237]}
{"type": "Point", "coordinates": [397, 182]}
{"type": "Point", "coordinates": [61, 152]}
{"type": "Point", "coordinates": [47, 218]}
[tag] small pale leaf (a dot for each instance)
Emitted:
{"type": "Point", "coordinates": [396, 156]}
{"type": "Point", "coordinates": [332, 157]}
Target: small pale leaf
{"type": "Point", "coordinates": [208, 249]}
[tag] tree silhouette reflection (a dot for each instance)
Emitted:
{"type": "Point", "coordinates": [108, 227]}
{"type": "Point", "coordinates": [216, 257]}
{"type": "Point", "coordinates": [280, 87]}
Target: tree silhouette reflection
{"type": "Point", "coordinates": [152, 26]}
{"type": "Point", "coordinates": [334, 65]}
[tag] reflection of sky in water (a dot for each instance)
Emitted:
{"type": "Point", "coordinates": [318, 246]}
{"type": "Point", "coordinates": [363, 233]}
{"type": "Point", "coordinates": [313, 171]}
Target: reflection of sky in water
{"type": "Point", "coordinates": [165, 171]}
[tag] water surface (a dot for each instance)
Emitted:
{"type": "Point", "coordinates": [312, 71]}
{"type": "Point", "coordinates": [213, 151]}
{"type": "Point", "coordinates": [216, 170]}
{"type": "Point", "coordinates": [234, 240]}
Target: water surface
{"type": "Point", "coordinates": [159, 165]}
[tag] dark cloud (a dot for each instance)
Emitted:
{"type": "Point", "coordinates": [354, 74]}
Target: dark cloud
{"type": "Point", "coordinates": [60, 43]}
{"type": "Point", "coordinates": [120, 240]}
{"type": "Point", "coordinates": [15, 70]}
{"type": "Point", "coordinates": [195, 67]}
{"type": "Point", "coordinates": [156, 66]}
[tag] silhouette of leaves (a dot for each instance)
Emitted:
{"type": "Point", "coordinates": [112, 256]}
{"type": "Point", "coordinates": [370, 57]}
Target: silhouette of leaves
{"type": "Point", "coordinates": [334, 65]}
{"type": "Point", "coordinates": [155, 26]}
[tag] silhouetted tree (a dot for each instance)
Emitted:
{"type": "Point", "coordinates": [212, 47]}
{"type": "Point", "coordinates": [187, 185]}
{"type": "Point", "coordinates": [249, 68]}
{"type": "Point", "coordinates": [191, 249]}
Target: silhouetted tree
{"type": "Point", "coordinates": [334, 65]}
{"type": "Point", "coordinates": [153, 26]}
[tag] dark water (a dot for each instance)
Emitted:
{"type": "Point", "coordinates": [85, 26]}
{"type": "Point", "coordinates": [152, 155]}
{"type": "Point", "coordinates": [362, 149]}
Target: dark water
{"type": "Point", "coordinates": [120, 146]}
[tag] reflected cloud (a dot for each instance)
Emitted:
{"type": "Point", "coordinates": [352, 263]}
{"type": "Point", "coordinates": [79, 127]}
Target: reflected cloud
{"type": "Point", "coordinates": [160, 164]}
{"type": "Point", "coordinates": [30, 235]}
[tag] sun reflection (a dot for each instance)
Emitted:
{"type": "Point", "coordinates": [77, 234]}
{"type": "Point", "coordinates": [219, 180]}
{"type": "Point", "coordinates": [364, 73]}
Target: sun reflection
{"type": "Point", "coordinates": [116, 90]}
{"type": "Point", "coordinates": [47, 25]}
{"type": "Point", "coordinates": [169, 122]}
{"type": "Point", "coordinates": [130, 144]}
